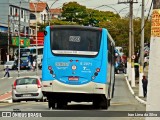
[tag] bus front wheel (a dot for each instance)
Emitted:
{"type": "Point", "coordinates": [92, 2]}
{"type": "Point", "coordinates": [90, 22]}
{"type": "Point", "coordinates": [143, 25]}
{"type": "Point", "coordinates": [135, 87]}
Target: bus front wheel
{"type": "Point", "coordinates": [101, 103]}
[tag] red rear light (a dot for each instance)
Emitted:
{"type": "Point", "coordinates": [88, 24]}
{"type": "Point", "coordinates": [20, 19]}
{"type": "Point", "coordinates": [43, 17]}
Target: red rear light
{"type": "Point", "coordinates": [100, 29]}
{"type": "Point", "coordinates": [98, 70]}
{"type": "Point", "coordinates": [14, 84]}
{"type": "Point", "coordinates": [39, 84]}
{"type": "Point", "coordinates": [49, 68]}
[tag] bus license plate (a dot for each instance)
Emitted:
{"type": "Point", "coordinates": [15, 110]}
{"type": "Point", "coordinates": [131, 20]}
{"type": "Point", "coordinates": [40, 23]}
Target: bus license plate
{"type": "Point", "coordinates": [73, 78]}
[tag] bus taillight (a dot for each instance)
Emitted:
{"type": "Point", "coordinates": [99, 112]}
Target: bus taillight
{"type": "Point", "coordinates": [98, 70]}
{"type": "Point", "coordinates": [49, 68]}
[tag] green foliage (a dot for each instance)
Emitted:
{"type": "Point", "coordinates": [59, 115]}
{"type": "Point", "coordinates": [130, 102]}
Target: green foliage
{"type": "Point", "coordinates": [76, 14]}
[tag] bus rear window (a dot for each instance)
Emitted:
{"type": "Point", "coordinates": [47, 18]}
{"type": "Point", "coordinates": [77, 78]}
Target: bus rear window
{"type": "Point", "coordinates": [75, 41]}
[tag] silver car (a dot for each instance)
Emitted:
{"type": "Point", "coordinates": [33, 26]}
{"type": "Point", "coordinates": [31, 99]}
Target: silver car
{"type": "Point", "coordinates": [10, 64]}
{"type": "Point", "coordinates": [27, 88]}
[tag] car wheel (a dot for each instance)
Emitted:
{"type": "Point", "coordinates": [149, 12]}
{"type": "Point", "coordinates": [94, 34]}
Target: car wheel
{"type": "Point", "coordinates": [42, 99]}
{"type": "Point", "coordinates": [15, 101]}
{"type": "Point", "coordinates": [118, 71]}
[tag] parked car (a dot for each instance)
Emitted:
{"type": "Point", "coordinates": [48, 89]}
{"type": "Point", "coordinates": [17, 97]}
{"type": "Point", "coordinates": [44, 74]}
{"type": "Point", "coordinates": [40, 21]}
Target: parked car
{"type": "Point", "coordinates": [120, 68]}
{"type": "Point", "coordinates": [10, 64]}
{"type": "Point", "coordinates": [28, 88]}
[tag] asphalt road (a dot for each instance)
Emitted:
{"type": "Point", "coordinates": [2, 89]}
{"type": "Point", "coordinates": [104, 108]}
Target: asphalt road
{"type": "Point", "coordinates": [122, 101]}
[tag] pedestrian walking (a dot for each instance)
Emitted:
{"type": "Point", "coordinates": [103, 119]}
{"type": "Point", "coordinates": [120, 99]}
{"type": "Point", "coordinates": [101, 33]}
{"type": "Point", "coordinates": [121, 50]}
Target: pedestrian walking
{"type": "Point", "coordinates": [145, 83]}
{"type": "Point", "coordinates": [29, 65]}
{"type": "Point", "coordinates": [34, 65]}
{"type": "Point", "coordinates": [7, 72]}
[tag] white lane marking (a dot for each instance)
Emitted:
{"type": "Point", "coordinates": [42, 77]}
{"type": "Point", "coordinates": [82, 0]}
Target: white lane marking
{"type": "Point", "coordinates": [2, 77]}
{"type": "Point", "coordinates": [10, 77]}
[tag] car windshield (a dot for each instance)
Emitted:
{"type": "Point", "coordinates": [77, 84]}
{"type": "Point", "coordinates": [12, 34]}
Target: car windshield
{"type": "Point", "coordinates": [9, 62]}
{"type": "Point", "coordinates": [25, 81]}
{"type": "Point", "coordinates": [24, 58]}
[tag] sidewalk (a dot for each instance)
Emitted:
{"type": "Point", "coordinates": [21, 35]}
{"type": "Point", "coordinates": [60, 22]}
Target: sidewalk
{"type": "Point", "coordinates": [1, 67]}
{"type": "Point", "coordinates": [135, 90]}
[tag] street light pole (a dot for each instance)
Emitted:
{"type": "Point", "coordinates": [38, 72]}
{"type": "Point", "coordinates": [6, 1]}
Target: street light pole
{"type": "Point", "coordinates": [36, 40]}
{"type": "Point", "coordinates": [8, 37]}
{"type": "Point", "coordinates": [19, 40]}
{"type": "Point", "coordinates": [50, 11]}
{"type": "Point", "coordinates": [141, 52]}
{"type": "Point", "coordinates": [132, 47]}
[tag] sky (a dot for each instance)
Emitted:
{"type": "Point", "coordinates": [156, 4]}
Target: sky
{"type": "Point", "coordinates": [111, 5]}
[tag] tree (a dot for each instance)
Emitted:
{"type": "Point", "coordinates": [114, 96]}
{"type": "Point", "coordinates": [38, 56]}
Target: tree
{"type": "Point", "coordinates": [74, 12]}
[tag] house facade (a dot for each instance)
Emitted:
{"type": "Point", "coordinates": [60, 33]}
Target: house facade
{"type": "Point", "coordinates": [55, 13]}
{"type": "Point", "coordinates": [39, 14]}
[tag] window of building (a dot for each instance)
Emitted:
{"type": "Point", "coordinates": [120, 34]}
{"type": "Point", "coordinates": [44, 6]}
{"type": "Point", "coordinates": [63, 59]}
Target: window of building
{"type": "Point", "coordinates": [41, 17]}
{"type": "Point", "coordinates": [30, 31]}
{"type": "Point", "coordinates": [32, 16]}
{"type": "Point", "coordinates": [11, 13]}
{"type": "Point", "coordinates": [16, 11]}
{"type": "Point", "coordinates": [33, 32]}
{"type": "Point", "coordinates": [22, 14]}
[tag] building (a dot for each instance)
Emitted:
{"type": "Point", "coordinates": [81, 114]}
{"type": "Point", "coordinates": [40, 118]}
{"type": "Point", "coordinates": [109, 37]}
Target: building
{"type": "Point", "coordinates": [55, 13]}
{"type": "Point", "coordinates": [39, 14]}
{"type": "Point", "coordinates": [9, 24]}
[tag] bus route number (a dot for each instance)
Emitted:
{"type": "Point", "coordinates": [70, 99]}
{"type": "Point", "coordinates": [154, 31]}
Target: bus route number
{"type": "Point", "coordinates": [86, 63]}
{"type": "Point", "coordinates": [74, 38]}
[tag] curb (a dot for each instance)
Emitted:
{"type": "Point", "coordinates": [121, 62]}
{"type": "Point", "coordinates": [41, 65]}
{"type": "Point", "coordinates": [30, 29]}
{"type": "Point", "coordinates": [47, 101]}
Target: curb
{"type": "Point", "coordinates": [131, 90]}
{"type": "Point", "coordinates": [6, 99]}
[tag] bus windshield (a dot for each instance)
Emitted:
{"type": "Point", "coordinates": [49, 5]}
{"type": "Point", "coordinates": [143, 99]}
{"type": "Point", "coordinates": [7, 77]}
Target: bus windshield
{"type": "Point", "coordinates": [75, 42]}
{"type": "Point", "coordinates": [24, 58]}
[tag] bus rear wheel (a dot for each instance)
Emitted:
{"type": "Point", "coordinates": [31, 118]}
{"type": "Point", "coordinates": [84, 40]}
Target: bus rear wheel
{"type": "Point", "coordinates": [100, 103]}
{"type": "Point", "coordinates": [51, 104]}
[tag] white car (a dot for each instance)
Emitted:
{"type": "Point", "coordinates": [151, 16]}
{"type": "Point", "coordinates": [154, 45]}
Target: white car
{"type": "Point", "coordinates": [27, 88]}
{"type": "Point", "coordinates": [10, 64]}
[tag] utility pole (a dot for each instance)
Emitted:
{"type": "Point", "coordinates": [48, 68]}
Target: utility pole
{"type": "Point", "coordinates": [19, 48]}
{"type": "Point", "coordinates": [130, 63]}
{"type": "Point", "coordinates": [141, 52]}
{"type": "Point", "coordinates": [8, 37]}
{"type": "Point", "coordinates": [153, 95]}
{"type": "Point", "coordinates": [132, 46]}
{"type": "Point", "coordinates": [36, 40]}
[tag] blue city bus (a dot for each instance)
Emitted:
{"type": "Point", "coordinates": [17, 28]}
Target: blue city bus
{"type": "Point", "coordinates": [78, 65]}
